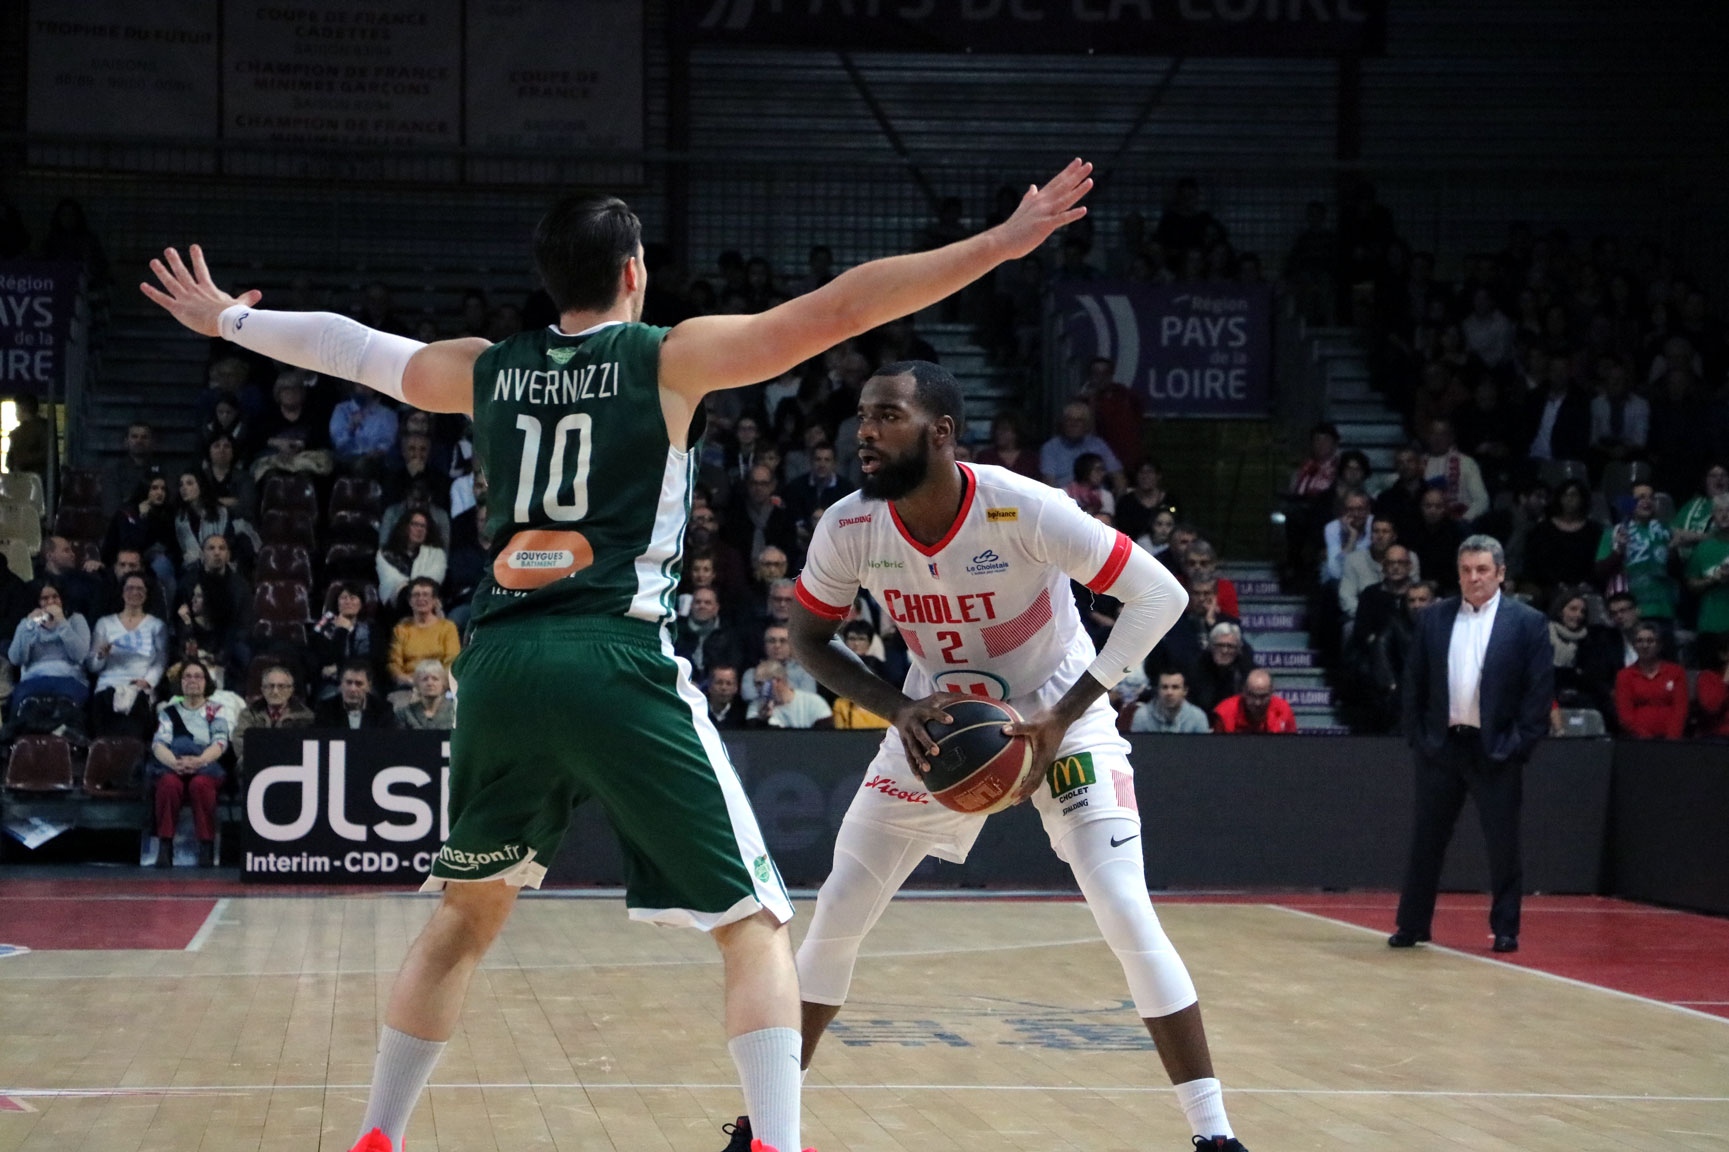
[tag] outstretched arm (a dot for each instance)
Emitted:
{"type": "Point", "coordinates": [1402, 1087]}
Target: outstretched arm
{"type": "Point", "coordinates": [435, 377]}
{"type": "Point", "coordinates": [708, 353]}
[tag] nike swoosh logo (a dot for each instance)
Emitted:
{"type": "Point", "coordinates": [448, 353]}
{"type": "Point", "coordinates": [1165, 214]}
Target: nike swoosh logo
{"type": "Point", "coordinates": [1115, 843]}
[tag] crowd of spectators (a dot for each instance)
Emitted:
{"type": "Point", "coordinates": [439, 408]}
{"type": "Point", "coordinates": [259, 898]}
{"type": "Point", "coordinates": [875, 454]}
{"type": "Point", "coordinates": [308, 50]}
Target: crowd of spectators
{"type": "Point", "coordinates": [1571, 401]}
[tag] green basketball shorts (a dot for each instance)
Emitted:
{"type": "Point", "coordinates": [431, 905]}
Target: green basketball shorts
{"type": "Point", "coordinates": [557, 710]}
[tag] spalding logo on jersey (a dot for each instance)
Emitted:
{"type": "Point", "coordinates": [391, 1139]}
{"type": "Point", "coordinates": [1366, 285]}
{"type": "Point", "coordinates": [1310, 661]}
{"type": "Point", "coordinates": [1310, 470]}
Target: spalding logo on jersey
{"type": "Point", "coordinates": [536, 557]}
{"type": "Point", "coordinates": [971, 682]}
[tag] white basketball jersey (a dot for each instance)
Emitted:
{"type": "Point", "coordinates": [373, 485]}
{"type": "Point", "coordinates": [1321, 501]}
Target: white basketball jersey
{"type": "Point", "coordinates": [987, 610]}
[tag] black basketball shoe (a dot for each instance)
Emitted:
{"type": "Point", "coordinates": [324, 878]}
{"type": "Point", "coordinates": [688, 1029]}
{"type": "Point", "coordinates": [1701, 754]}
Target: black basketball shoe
{"type": "Point", "coordinates": [1219, 1144]}
{"type": "Point", "coordinates": [738, 1135]}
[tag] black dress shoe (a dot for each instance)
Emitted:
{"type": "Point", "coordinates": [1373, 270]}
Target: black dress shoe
{"type": "Point", "coordinates": [1405, 938]}
{"type": "Point", "coordinates": [1505, 944]}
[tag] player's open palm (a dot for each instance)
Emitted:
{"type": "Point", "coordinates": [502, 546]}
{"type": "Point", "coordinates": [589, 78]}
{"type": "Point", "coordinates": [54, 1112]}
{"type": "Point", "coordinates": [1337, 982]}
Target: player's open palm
{"type": "Point", "coordinates": [189, 295]}
{"type": "Point", "coordinates": [1044, 210]}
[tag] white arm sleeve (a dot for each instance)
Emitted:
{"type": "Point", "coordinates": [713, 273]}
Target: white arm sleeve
{"type": "Point", "coordinates": [1107, 562]}
{"type": "Point", "coordinates": [328, 344]}
{"type": "Point", "coordinates": [1153, 600]}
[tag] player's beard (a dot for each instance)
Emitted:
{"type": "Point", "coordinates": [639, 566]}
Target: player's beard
{"type": "Point", "coordinates": [897, 477]}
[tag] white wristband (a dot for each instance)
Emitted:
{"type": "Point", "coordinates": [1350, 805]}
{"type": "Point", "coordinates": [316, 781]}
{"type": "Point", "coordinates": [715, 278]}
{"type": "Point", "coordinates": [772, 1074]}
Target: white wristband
{"type": "Point", "coordinates": [324, 342]}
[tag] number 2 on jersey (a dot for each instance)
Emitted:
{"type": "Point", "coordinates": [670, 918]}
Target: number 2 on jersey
{"type": "Point", "coordinates": [528, 476]}
{"type": "Point", "coordinates": [951, 642]}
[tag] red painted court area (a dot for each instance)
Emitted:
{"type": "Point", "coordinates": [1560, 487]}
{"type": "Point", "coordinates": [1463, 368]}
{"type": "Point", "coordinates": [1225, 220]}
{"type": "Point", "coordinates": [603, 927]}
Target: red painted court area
{"type": "Point", "coordinates": [77, 915]}
{"type": "Point", "coordinates": [1674, 957]}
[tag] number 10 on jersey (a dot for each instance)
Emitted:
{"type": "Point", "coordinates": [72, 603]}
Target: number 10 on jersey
{"type": "Point", "coordinates": [565, 500]}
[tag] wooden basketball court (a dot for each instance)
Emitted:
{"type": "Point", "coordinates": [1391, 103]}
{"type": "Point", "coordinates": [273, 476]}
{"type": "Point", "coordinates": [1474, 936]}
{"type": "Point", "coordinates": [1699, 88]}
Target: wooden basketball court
{"type": "Point", "coordinates": [170, 1017]}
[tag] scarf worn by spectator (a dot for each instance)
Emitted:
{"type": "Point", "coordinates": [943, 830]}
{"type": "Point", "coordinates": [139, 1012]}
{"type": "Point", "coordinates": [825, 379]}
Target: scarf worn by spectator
{"type": "Point", "coordinates": [1566, 643]}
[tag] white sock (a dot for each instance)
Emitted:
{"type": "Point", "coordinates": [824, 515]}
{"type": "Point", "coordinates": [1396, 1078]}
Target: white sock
{"type": "Point", "coordinates": [768, 1072]}
{"type": "Point", "coordinates": [404, 1066]}
{"type": "Point", "coordinates": [1203, 1103]}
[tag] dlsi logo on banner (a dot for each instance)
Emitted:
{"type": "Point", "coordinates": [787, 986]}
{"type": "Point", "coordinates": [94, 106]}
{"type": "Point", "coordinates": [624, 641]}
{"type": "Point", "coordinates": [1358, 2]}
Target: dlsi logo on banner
{"type": "Point", "coordinates": [348, 808]}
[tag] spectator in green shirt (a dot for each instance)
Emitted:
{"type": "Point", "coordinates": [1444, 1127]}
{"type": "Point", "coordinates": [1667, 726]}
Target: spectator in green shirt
{"type": "Point", "coordinates": [1638, 549]}
{"type": "Point", "coordinates": [1708, 576]}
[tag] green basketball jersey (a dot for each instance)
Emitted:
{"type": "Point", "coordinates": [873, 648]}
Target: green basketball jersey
{"type": "Point", "coordinates": [586, 497]}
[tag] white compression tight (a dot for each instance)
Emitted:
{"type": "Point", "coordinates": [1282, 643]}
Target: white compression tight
{"type": "Point", "coordinates": [1113, 879]}
{"type": "Point", "coordinates": [871, 863]}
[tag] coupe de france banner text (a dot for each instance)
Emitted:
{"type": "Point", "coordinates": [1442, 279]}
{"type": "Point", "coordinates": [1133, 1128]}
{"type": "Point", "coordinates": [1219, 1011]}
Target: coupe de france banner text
{"type": "Point", "coordinates": [1187, 349]}
{"type": "Point", "coordinates": [1133, 27]}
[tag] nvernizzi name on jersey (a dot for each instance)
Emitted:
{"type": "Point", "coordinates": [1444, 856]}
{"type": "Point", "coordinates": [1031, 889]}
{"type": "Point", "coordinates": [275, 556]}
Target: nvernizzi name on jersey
{"type": "Point", "coordinates": [593, 382]}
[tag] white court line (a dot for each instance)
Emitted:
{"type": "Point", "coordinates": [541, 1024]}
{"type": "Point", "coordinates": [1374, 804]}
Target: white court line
{"type": "Point", "coordinates": [196, 944]}
{"type": "Point", "coordinates": [1673, 1007]}
{"type": "Point", "coordinates": [578, 1086]}
{"type": "Point", "coordinates": [508, 967]}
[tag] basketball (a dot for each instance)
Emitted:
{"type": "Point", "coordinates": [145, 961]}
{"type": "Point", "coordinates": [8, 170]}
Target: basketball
{"type": "Point", "coordinates": [977, 769]}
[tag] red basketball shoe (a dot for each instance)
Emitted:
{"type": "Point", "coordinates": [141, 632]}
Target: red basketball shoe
{"type": "Point", "coordinates": [759, 1146]}
{"type": "Point", "coordinates": [374, 1141]}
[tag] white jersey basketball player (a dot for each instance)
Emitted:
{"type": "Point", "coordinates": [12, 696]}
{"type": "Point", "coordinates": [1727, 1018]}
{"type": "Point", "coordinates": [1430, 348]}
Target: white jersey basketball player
{"type": "Point", "coordinates": [974, 564]}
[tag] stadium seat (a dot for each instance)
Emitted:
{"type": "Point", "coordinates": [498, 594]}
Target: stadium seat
{"type": "Point", "coordinates": [369, 598]}
{"type": "Point", "coordinates": [288, 526]}
{"type": "Point", "coordinates": [17, 558]}
{"type": "Point", "coordinates": [80, 523]}
{"type": "Point", "coordinates": [354, 528]}
{"type": "Point", "coordinates": [19, 521]}
{"type": "Point", "coordinates": [1554, 473]}
{"type": "Point", "coordinates": [288, 491]}
{"type": "Point", "coordinates": [281, 602]}
{"type": "Point", "coordinates": [1619, 476]}
{"type": "Point", "coordinates": [81, 488]}
{"type": "Point", "coordinates": [25, 486]}
{"type": "Point", "coordinates": [1581, 722]}
{"type": "Point", "coordinates": [284, 633]}
{"type": "Point", "coordinates": [40, 764]}
{"type": "Point", "coordinates": [284, 562]}
{"type": "Point", "coordinates": [354, 494]}
{"type": "Point", "coordinates": [111, 772]}
{"type": "Point", "coordinates": [351, 562]}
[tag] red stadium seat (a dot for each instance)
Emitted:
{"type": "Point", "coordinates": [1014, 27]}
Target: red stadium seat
{"type": "Point", "coordinates": [351, 562]}
{"type": "Point", "coordinates": [40, 764]}
{"type": "Point", "coordinates": [288, 526]}
{"type": "Point", "coordinates": [111, 772]}
{"type": "Point", "coordinates": [284, 562]}
{"type": "Point", "coordinates": [354, 494]}
{"type": "Point", "coordinates": [281, 632]}
{"type": "Point", "coordinates": [289, 491]}
{"type": "Point", "coordinates": [354, 528]}
{"type": "Point", "coordinates": [281, 602]}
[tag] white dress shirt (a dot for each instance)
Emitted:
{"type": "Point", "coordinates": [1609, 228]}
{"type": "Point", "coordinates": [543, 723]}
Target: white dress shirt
{"type": "Point", "coordinates": [1465, 653]}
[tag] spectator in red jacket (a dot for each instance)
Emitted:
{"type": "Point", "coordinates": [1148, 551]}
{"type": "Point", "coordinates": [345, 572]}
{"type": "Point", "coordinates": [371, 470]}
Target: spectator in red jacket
{"type": "Point", "coordinates": [1256, 710]}
{"type": "Point", "coordinates": [1651, 692]}
{"type": "Point", "coordinates": [1713, 694]}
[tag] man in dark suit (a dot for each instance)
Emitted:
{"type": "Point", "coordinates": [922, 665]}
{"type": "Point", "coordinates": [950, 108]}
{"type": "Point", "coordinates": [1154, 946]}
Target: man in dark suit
{"type": "Point", "coordinates": [1558, 421]}
{"type": "Point", "coordinates": [1478, 685]}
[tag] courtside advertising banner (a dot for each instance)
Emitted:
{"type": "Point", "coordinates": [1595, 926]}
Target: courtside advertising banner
{"type": "Point", "coordinates": [324, 806]}
{"type": "Point", "coordinates": [37, 300]}
{"type": "Point", "coordinates": [1190, 350]}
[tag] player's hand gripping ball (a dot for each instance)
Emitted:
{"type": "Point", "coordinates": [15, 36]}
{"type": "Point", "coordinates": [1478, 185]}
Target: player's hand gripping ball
{"type": "Point", "coordinates": [977, 769]}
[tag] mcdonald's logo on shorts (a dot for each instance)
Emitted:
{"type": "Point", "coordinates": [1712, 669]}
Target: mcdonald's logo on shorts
{"type": "Point", "coordinates": [1071, 772]}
